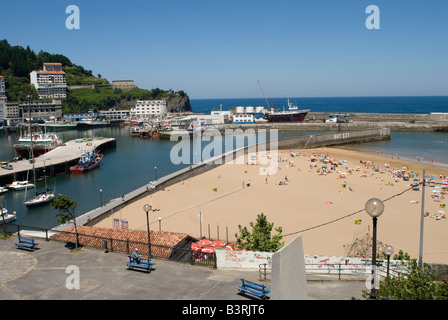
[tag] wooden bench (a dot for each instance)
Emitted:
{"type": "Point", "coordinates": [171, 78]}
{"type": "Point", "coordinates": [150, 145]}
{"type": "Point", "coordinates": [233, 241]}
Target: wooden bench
{"type": "Point", "coordinates": [253, 288]}
{"type": "Point", "coordinates": [143, 263]}
{"type": "Point", "coordinates": [26, 243]}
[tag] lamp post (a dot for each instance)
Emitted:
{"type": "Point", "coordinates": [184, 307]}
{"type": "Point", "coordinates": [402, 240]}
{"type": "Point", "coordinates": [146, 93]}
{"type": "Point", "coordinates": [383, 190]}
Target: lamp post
{"type": "Point", "coordinates": [147, 207]}
{"type": "Point", "coordinates": [101, 197]}
{"type": "Point", "coordinates": [374, 207]}
{"type": "Point", "coordinates": [388, 250]}
{"type": "Point", "coordinates": [155, 173]}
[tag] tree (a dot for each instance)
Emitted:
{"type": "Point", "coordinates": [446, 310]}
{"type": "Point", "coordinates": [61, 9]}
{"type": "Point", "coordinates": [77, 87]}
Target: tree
{"type": "Point", "coordinates": [260, 239]}
{"type": "Point", "coordinates": [66, 207]}
{"type": "Point", "coordinates": [416, 284]}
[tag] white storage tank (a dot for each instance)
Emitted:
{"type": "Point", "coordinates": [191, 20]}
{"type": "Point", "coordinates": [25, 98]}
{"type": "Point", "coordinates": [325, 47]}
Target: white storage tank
{"type": "Point", "coordinates": [239, 109]}
{"type": "Point", "coordinates": [259, 109]}
{"type": "Point", "coordinates": [250, 109]}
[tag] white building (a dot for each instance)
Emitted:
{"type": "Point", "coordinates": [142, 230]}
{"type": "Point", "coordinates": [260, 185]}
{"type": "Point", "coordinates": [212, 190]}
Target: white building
{"type": "Point", "coordinates": [49, 82]}
{"type": "Point", "coordinates": [2, 87]}
{"type": "Point", "coordinates": [114, 114]}
{"type": "Point", "coordinates": [243, 118]}
{"type": "Point", "coordinates": [146, 109]}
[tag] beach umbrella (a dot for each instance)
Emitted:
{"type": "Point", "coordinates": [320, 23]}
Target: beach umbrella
{"type": "Point", "coordinates": [205, 242]}
{"type": "Point", "coordinates": [232, 246]}
{"type": "Point", "coordinates": [218, 244]}
{"type": "Point", "coordinates": [195, 247]}
{"type": "Point", "coordinates": [208, 250]}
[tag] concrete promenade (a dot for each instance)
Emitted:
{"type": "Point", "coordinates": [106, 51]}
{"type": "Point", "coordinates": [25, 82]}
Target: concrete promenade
{"type": "Point", "coordinates": [42, 275]}
{"type": "Point", "coordinates": [55, 161]}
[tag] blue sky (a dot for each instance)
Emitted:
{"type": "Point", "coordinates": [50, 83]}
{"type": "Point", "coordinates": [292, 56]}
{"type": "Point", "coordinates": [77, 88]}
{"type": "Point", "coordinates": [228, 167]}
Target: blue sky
{"type": "Point", "coordinates": [219, 49]}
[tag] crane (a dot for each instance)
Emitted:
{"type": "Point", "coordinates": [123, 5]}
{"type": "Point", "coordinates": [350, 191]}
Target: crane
{"type": "Point", "coordinates": [263, 94]}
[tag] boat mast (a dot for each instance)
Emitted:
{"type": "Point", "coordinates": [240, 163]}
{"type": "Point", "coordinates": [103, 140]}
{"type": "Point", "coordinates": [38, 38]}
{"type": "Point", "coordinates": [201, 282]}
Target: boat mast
{"type": "Point", "coordinates": [31, 143]}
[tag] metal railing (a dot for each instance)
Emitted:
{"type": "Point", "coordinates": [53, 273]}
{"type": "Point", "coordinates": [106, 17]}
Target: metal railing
{"type": "Point", "coordinates": [339, 270]}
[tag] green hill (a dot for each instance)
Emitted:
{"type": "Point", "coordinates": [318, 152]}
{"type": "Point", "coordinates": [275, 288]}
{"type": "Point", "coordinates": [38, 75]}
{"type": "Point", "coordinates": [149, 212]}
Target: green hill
{"type": "Point", "coordinates": [17, 62]}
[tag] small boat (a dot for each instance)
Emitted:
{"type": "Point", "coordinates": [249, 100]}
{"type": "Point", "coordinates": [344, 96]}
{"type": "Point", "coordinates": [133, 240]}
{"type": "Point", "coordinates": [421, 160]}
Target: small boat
{"type": "Point", "coordinates": [3, 190]}
{"type": "Point", "coordinates": [40, 199]}
{"type": "Point", "coordinates": [6, 217]}
{"type": "Point", "coordinates": [20, 185]}
{"type": "Point", "coordinates": [87, 161]}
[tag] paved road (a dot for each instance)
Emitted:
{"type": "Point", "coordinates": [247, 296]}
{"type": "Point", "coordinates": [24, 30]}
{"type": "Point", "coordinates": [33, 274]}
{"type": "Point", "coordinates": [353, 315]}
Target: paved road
{"type": "Point", "coordinates": [43, 274]}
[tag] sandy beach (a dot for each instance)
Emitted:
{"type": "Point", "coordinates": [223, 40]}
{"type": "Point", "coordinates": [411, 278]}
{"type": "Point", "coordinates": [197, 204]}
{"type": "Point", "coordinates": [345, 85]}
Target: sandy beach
{"type": "Point", "coordinates": [304, 199]}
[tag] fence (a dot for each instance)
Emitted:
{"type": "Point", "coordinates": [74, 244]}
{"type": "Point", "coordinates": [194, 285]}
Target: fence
{"type": "Point", "coordinates": [336, 269]}
{"type": "Point", "coordinates": [181, 254]}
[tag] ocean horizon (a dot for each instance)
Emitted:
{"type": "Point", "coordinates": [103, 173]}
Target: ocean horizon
{"type": "Point", "coordinates": [374, 104]}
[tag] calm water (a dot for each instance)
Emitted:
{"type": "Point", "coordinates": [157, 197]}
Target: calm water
{"type": "Point", "coordinates": [338, 104]}
{"type": "Point", "coordinates": [135, 162]}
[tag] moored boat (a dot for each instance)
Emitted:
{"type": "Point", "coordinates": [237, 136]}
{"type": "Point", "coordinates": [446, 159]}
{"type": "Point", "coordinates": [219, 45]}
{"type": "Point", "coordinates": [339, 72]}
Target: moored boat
{"type": "Point", "coordinates": [20, 185]}
{"type": "Point", "coordinates": [87, 161]}
{"type": "Point", "coordinates": [42, 143]}
{"type": "Point", "coordinates": [40, 199]}
{"type": "Point", "coordinates": [6, 217]}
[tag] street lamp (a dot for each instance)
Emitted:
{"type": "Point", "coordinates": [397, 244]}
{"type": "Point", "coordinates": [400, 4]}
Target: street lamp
{"type": "Point", "coordinates": [388, 250]}
{"type": "Point", "coordinates": [147, 207]}
{"type": "Point", "coordinates": [155, 173]}
{"type": "Point", "coordinates": [101, 197]}
{"type": "Point", "coordinates": [374, 207]}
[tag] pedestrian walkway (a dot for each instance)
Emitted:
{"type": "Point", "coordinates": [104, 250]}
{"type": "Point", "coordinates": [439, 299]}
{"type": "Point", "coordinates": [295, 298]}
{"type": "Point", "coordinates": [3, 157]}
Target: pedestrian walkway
{"type": "Point", "coordinates": [44, 273]}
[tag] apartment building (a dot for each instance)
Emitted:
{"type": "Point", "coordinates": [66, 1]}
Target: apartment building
{"type": "Point", "coordinates": [146, 109]}
{"type": "Point", "coordinates": [2, 87]}
{"type": "Point", "coordinates": [49, 82]}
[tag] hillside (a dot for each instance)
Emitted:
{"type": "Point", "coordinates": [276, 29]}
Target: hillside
{"type": "Point", "coordinates": [17, 62]}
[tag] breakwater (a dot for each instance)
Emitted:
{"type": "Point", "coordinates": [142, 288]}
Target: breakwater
{"type": "Point", "coordinates": [334, 139]}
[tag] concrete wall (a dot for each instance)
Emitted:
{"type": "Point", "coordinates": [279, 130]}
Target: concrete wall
{"type": "Point", "coordinates": [332, 139]}
{"type": "Point", "coordinates": [242, 259]}
{"type": "Point", "coordinates": [288, 280]}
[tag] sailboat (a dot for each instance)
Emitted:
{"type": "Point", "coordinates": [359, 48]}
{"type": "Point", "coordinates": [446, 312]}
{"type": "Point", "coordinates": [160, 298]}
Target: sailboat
{"type": "Point", "coordinates": [41, 198]}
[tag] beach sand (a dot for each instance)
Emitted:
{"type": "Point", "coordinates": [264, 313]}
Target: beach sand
{"type": "Point", "coordinates": [312, 204]}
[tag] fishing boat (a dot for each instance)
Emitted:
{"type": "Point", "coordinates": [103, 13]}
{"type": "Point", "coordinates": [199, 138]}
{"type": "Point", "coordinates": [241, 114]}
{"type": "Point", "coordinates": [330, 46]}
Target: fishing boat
{"type": "Point", "coordinates": [293, 114]}
{"type": "Point", "coordinates": [6, 217]}
{"type": "Point", "coordinates": [87, 161]}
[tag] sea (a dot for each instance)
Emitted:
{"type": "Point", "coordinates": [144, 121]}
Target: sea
{"type": "Point", "coordinates": [136, 161]}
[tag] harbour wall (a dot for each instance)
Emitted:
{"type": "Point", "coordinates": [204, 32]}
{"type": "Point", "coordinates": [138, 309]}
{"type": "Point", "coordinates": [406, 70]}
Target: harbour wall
{"type": "Point", "coordinates": [334, 139]}
{"type": "Point", "coordinates": [93, 217]}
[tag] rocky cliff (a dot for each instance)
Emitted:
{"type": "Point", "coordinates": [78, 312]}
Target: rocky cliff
{"type": "Point", "coordinates": [177, 103]}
